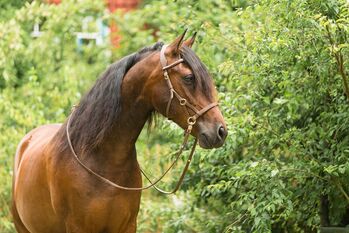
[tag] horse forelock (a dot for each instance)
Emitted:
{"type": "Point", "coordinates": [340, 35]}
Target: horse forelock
{"type": "Point", "coordinates": [202, 77]}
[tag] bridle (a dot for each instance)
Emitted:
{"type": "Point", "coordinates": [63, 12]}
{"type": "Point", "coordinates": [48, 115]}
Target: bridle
{"type": "Point", "coordinates": [190, 121]}
{"type": "Point", "coordinates": [173, 93]}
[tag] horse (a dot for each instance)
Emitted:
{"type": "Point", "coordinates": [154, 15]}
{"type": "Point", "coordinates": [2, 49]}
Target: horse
{"type": "Point", "coordinates": [59, 168]}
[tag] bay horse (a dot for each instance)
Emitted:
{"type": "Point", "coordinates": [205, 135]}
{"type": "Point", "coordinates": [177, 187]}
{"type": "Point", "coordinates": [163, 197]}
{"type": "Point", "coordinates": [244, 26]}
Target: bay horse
{"type": "Point", "coordinates": [57, 176]}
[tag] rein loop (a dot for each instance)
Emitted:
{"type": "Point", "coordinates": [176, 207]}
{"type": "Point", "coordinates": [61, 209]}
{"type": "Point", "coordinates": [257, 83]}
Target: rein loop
{"type": "Point", "coordinates": [191, 122]}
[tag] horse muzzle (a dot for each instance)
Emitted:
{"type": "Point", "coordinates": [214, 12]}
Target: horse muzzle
{"type": "Point", "coordinates": [212, 136]}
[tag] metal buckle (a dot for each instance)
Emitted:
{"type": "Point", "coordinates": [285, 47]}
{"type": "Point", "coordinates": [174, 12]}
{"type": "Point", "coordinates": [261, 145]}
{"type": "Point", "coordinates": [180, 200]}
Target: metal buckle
{"type": "Point", "coordinates": [166, 75]}
{"type": "Point", "coordinates": [191, 120]}
{"type": "Point", "coordinates": [183, 102]}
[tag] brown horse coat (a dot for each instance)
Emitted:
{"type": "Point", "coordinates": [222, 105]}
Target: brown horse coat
{"type": "Point", "coordinates": [52, 193]}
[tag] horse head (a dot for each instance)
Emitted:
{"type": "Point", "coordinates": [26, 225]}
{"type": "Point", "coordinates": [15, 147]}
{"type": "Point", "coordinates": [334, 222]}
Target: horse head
{"type": "Point", "coordinates": [182, 90]}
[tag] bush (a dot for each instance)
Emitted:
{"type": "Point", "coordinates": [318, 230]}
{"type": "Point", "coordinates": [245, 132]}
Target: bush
{"type": "Point", "coordinates": [41, 78]}
{"type": "Point", "coordinates": [284, 167]}
{"type": "Point", "coordinates": [280, 69]}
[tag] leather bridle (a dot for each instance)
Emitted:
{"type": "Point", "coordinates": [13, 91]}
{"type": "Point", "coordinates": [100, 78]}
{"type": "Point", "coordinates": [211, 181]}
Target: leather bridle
{"type": "Point", "coordinates": [190, 121]}
{"type": "Point", "coordinates": [173, 93]}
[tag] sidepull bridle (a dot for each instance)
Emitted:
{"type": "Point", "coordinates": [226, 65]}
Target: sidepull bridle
{"type": "Point", "coordinates": [190, 121]}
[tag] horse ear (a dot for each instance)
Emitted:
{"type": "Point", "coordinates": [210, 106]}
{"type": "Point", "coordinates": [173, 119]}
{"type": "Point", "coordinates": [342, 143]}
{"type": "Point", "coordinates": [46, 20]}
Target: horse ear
{"type": "Point", "coordinates": [177, 43]}
{"type": "Point", "coordinates": [189, 42]}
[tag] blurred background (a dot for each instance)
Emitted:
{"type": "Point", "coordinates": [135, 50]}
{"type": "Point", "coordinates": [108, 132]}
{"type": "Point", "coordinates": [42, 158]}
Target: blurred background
{"type": "Point", "coordinates": [280, 67]}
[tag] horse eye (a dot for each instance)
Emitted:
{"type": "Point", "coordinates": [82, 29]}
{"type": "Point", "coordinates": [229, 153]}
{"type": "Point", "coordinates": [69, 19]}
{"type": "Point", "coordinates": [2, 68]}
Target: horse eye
{"type": "Point", "coordinates": [189, 79]}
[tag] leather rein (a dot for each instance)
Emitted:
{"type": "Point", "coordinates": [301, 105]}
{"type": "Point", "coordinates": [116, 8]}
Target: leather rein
{"type": "Point", "coordinates": [190, 121]}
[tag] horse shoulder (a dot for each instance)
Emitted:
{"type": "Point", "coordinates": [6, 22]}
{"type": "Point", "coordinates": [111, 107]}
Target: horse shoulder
{"type": "Point", "coordinates": [39, 135]}
{"type": "Point", "coordinates": [30, 179]}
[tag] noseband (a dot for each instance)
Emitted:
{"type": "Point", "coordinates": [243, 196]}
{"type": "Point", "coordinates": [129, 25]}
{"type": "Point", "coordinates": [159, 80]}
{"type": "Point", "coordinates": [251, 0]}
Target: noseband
{"type": "Point", "coordinates": [191, 120]}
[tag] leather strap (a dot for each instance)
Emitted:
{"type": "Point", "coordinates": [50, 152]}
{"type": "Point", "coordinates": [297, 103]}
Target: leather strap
{"type": "Point", "coordinates": [152, 183]}
{"type": "Point", "coordinates": [163, 59]}
{"type": "Point", "coordinates": [182, 175]}
{"type": "Point", "coordinates": [173, 64]}
{"type": "Point", "coordinates": [204, 110]}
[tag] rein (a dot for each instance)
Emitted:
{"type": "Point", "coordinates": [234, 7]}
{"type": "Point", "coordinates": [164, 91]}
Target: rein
{"type": "Point", "coordinates": [191, 121]}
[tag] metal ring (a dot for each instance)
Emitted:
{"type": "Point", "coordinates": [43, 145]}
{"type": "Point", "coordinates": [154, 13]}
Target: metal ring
{"type": "Point", "coordinates": [166, 75]}
{"type": "Point", "coordinates": [191, 120]}
{"type": "Point", "coordinates": [182, 102]}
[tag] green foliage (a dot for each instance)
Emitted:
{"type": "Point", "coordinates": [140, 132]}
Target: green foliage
{"type": "Point", "coordinates": [280, 68]}
{"type": "Point", "coordinates": [276, 66]}
{"type": "Point", "coordinates": [41, 78]}
{"type": "Point", "coordinates": [8, 8]}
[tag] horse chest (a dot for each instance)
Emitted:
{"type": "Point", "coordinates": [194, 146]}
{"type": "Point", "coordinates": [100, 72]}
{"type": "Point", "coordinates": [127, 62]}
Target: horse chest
{"type": "Point", "coordinates": [122, 204]}
{"type": "Point", "coordinates": [85, 203]}
{"type": "Point", "coordinates": [102, 212]}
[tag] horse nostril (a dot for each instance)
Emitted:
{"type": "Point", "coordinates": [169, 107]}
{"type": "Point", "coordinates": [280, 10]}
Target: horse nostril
{"type": "Point", "coordinates": [221, 132]}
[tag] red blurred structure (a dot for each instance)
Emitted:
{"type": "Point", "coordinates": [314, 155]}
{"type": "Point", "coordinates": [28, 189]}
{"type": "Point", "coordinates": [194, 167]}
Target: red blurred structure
{"type": "Point", "coordinates": [113, 5]}
{"type": "Point", "coordinates": [54, 1]}
{"type": "Point", "coordinates": [124, 5]}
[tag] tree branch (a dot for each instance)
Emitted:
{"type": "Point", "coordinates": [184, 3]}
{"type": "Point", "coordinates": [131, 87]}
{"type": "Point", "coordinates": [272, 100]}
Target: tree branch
{"type": "Point", "coordinates": [342, 190]}
{"type": "Point", "coordinates": [340, 63]}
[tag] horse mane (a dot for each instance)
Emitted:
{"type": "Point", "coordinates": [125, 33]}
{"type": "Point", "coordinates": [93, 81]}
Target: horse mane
{"type": "Point", "coordinates": [100, 107]}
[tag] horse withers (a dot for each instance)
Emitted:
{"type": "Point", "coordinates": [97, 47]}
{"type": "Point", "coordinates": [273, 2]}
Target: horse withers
{"type": "Point", "coordinates": [59, 168]}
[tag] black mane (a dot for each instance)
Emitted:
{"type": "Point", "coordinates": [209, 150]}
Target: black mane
{"type": "Point", "coordinates": [99, 108]}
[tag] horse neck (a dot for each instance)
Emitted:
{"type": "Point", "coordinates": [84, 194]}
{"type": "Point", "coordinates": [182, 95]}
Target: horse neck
{"type": "Point", "coordinates": [118, 149]}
